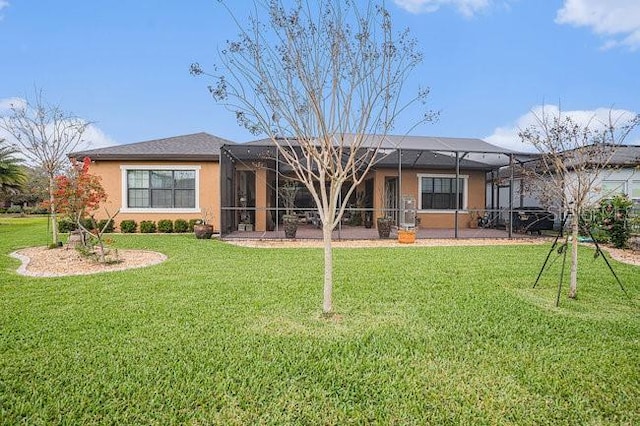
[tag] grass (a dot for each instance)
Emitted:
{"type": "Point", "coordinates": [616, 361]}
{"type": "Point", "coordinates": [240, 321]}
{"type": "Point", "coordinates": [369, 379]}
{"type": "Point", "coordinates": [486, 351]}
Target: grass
{"type": "Point", "coordinates": [227, 335]}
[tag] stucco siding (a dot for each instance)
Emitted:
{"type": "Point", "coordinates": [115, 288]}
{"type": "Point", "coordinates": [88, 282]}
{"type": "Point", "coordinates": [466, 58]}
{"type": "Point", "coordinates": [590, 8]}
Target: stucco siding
{"type": "Point", "coordinates": [112, 181]}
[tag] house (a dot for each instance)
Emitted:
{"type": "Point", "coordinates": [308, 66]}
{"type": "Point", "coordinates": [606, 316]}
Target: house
{"type": "Point", "coordinates": [171, 178]}
{"type": "Point", "coordinates": [621, 176]}
{"type": "Point", "coordinates": [187, 176]}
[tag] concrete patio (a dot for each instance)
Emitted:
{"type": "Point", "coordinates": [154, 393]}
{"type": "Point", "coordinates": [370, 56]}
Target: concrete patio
{"type": "Point", "coordinates": [309, 232]}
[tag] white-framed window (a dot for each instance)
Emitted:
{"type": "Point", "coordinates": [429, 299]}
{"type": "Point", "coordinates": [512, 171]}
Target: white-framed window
{"type": "Point", "coordinates": [634, 191]}
{"type": "Point", "coordinates": [160, 189]}
{"type": "Point", "coordinates": [611, 188]}
{"type": "Point", "coordinates": [438, 192]}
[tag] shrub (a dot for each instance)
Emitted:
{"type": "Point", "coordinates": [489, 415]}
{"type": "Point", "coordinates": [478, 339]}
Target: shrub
{"type": "Point", "coordinates": [180, 225]}
{"type": "Point", "coordinates": [165, 225]}
{"type": "Point", "coordinates": [600, 235]}
{"type": "Point", "coordinates": [103, 222]}
{"type": "Point", "coordinates": [14, 210]}
{"type": "Point", "coordinates": [88, 222]}
{"type": "Point", "coordinates": [128, 226]}
{"type": "Point", "coordinates": [192, 223]}
{"type": "Point", "coordinates": [66, 225]}
{"type": "Point", "coordinates": [36, 210]}
{"type": "Point", "coordinates": [613, 218]}
{"type": "Point", "coordinates": [147, 227]}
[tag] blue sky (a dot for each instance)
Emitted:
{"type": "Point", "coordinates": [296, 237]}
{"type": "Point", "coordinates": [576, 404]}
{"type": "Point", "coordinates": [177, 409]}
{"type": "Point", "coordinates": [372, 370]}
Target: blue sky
{"type": "Point", "coordinates": [489, 63]}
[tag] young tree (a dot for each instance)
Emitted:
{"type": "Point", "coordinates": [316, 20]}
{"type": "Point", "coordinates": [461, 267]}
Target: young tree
{"type": "Point", "coordinates": [78, 193]}
{"type": "Point", "coordinates": [45, 134]}
{"type": "Point", "coordinates": [323, 81]}
{"type": "Point", "coordinates": [12, 175]}
{"type": "Point", "coordinates": [573, 157]}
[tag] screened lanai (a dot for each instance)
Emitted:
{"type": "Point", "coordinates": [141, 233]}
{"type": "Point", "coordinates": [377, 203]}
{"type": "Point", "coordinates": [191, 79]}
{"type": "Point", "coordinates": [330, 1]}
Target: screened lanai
{"type": "Point", "coordinates": [455, 182]}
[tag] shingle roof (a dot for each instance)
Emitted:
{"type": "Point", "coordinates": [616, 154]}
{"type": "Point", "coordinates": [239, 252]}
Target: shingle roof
{"type": "Point", "coordinates": [197, 146]}
{"type": "Point", "coordinates": [626, 155]}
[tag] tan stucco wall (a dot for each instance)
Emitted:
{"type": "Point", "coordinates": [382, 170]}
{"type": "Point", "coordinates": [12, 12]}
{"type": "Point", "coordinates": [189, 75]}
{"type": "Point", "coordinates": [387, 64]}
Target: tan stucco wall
{"type": "Point", "coordinates": [476, 195]}
{"type": "Point", "coordinates": [209, 193]}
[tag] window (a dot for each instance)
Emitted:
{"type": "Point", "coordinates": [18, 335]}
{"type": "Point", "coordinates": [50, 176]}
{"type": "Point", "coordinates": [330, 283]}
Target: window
{"type": "Point", "coordinates": [160, 188]}
{"type": "Point", "coordinates": [611, 188]}
{"type": "Point", "coordinates": [634, 192]}
{"type": "Point", "coordinates": [438, 192]}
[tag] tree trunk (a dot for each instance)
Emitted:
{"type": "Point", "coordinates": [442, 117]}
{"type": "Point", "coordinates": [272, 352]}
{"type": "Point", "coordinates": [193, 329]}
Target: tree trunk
{"type": "Point", "coordinates": [52, 210]}
{"type": "Point", "coordinates": [573, 284]}
{"type": "Point", "coordinates": [327, 305]}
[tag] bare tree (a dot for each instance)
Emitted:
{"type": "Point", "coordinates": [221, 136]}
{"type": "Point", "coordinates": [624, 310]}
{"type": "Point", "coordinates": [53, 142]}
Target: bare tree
{"type": "Point", "coordinates": [44, 133]}
{"type": "Point", "coordinates": [323, 81]}
{"type": "Point", "coordinates": [573, 157]}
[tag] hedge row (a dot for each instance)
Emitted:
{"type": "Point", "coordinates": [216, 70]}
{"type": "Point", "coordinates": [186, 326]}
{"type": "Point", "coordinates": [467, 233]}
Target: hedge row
{"type": "Point", "coordinates": [23, 210]}
{"type": "Point", "coordinates": [166, 226]}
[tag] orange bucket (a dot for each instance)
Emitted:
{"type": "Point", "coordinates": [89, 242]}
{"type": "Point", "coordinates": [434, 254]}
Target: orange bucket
{"type": "Point", "coordinates": [406, 237]}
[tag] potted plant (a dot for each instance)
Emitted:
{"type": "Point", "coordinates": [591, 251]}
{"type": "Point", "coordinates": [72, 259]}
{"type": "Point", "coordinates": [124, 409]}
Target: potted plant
{"type": "Point", "coordinates": [474, 217]}
{"type": "Point", "coordinates": [288, 192]}
{"type": "Point", "coordinates": [245, 219]}
{"type": "Point", "coordinates": [203, 229]}
{"type": "Point", "coordinates": [384, 226]}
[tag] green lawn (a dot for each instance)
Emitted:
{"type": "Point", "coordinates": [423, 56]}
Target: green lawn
{"type": "Point", "coordinates": [226, 335]}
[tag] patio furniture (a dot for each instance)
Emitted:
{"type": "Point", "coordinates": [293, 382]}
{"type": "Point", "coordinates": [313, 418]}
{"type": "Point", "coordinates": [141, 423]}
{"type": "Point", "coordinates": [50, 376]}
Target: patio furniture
{"type": "Point", "coordinates": [532, 219]}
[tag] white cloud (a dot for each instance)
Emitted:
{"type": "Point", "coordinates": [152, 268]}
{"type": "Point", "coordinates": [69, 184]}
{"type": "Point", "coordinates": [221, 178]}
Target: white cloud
{"type": "Point", "coordinates": [3, 4]}
{"type": "Point", "coordinates": [616, 20]}
{"type": "Point", "coordinates": [96, 138]}
{"type": "Point", "coordinates": [468, 8]}
{"type": "Point", "coordinates": [7, 103]}
{"type": "Point", "coordinates": [507, 135]}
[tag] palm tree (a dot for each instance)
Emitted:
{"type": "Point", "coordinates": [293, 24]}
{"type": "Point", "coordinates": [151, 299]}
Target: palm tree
{"type": "Point", "coordinates": [12, 174]}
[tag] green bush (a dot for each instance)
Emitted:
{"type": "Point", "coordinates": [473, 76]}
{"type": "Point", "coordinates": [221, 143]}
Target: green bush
{"type": "Point", "coordinates": [66, 225]}
{"type": "Point", "coordinates": [36, 210]}
{"type": "Point", "coordinates": [600, 235]}
{"type": "Point", "coordinates": [165, 226]}
{"type": "Point", "coordinates": [147, 227]}
{"type": "Point", "coordinates": [103, 222]}
{"type": "Point", "coordinates": [128, 226]}
{"type": "Point", "coordinates": [14, 210]}
{"type": "Point", "coordinates": [180, 226]}
{"type": "Point", "coordinates": [613, 218]}
{"type": "Point", "coordinates": [192, 223]}
{"type": "Point", "coordinates": [89, 223]}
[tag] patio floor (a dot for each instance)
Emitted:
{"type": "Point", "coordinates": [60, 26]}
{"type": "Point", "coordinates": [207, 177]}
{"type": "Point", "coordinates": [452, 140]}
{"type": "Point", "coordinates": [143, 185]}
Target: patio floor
{"type": "Point", "coordinates": [309, 232]}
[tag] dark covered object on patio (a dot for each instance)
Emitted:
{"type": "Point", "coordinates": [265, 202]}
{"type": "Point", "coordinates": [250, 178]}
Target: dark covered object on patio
{"type": "Point", "coordinates": [530, 219]}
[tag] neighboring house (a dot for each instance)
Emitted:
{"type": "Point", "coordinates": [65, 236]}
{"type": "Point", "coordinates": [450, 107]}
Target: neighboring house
{"type": "Point", "coordinates": [172, 178]}
{"type": "Point", "coordinates": [622, 176]}
{"type": "Point", "coordinates": [187, 176]}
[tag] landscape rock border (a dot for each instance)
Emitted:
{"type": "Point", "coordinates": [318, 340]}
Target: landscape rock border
{"type": "Point", "coordinates": [45, 262]}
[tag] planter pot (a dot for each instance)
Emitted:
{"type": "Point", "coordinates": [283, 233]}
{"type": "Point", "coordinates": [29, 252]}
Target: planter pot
{"type": "Point", "coordinates": [384, 227]}
{"type": "Point", "coordinates": [406, 236]}
{"type": "Point", "coordinates": [203, 232]}
{"type": "Point", "coordinates": [290, 224]}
